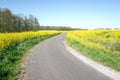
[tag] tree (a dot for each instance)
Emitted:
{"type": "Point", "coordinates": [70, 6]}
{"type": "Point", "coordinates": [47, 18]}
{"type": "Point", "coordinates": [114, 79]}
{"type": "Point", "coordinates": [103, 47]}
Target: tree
{"type": "Point", "coordinates": [17, 23]}
{"type": "Point", "coordinates": [36, 24]}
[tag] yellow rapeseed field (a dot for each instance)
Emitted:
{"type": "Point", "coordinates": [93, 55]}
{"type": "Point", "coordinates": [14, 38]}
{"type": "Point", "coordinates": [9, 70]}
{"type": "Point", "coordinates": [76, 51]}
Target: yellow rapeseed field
{"type": "Point", "coordinates": [6, 39]}
{"type": "Point", "coordinates": [107, 41]}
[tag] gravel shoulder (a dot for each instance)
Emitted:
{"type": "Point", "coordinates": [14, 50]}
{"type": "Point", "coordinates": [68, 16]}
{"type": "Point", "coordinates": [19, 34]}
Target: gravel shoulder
{"type": "Point", "coordinates": [115, 75]}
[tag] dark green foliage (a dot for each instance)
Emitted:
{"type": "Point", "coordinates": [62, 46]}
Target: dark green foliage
{"type": "Point", "coordinates": [17, 23]}
{"type": "Point", "coordinates": [55, 28]}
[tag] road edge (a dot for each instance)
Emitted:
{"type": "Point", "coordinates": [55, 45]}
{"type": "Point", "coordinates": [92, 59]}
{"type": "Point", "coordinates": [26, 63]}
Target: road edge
{"type": "Point", "coordinates": [24, 61]}
{"type": "Point", "coordinates": [115, 75]}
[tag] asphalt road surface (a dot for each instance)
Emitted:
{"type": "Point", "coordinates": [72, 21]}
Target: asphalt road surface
{"type": "Point", "coordinates": [50, 60]}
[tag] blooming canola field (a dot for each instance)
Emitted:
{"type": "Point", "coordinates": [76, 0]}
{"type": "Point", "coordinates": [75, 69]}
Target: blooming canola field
{"type": "Point", "coordinates": [107, 41]}
{"type": "Point", "coordinates": [14, 46]}
{"type": "Point", "coordinates": [8, 39]}
{"type": "Point", "coordinates": [100, 45]}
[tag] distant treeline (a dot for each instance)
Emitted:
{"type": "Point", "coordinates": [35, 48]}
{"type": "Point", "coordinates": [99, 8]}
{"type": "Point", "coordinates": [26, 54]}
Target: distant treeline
{"type": "Point", "coordinates": [16, 23]}
{"type": "Point", "coordinates": [10, 22]}
{"type": "Point", "coordinates": [55, 28]}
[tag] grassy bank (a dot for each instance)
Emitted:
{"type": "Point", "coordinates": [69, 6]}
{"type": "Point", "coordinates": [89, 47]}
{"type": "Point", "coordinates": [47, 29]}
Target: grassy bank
{"type": "Point", "coordinates": [10, 57]}
{"type": "Point", "coordinates": [106, 59]}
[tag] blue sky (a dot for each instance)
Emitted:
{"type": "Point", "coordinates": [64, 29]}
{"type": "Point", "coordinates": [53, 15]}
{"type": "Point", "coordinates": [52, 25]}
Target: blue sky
{"type": "Point", "coordinates": [74, 13]}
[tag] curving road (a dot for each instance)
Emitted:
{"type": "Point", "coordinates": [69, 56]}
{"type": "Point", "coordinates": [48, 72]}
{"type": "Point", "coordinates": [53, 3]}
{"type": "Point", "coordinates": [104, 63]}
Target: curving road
{"type": "Point", "coordinates": [50, 60]}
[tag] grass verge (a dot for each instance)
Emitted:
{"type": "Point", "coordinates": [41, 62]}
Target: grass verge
{"type": "Point", "coordinates": [107, 60]}
{"type": "Point", "coordinates": [10, 58]}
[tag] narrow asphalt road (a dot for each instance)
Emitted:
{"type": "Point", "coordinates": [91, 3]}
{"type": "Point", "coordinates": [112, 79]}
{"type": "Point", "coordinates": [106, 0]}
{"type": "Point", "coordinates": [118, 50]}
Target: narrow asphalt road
{"type": "Point", "coordinates": [50, 60]}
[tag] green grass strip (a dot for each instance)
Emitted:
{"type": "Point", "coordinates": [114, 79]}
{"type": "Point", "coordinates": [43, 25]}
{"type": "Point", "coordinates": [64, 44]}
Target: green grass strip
{"type": "Point", "coordinates": [95, 54]}
{"type": "Point", "coordinates": [10, 58]}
